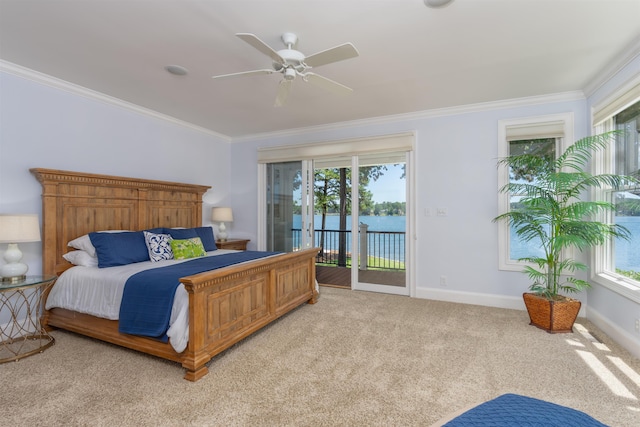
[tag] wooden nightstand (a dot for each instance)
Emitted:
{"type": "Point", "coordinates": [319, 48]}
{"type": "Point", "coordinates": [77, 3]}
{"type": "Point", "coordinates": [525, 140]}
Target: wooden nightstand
{"type": "Point", "coordinates": [237, 244]}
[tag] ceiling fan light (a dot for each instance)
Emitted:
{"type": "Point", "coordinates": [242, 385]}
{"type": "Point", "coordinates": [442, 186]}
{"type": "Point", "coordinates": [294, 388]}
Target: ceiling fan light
{"type": "Point", "coordinates": [437, 3]}
{"type": "Point", "coordinates": [289, 74]}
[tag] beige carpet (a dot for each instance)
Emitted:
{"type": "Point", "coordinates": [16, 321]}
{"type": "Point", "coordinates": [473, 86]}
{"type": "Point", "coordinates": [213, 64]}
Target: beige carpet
{"type": "Point", "coordinates": [353, 359]}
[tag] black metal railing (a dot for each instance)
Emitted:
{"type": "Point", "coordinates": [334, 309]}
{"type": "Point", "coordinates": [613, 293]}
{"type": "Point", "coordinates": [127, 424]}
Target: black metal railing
{"type": "Point", "coordinates": [380, 249]}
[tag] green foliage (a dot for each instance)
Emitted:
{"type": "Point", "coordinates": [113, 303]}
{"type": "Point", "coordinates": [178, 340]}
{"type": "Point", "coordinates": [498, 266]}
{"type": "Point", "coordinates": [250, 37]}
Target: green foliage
{"type": "Point", "coordinates": [328, 184]}
{"type": "Point", "coordinates": [635, 275]}
{"type": "Point", "coordinates": [550, 210]}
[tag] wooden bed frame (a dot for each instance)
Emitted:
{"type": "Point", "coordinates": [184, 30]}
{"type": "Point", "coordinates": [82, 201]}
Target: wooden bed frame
{"type": "Point", "coordinates": [225, 305]}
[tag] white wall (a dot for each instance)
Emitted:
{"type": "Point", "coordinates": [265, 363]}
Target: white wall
{"type": "Point", "coordinates": [46, 127]}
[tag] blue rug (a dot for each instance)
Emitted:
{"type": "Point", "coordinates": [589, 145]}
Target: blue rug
{"type": "Point", "coordinates": [512, 410]}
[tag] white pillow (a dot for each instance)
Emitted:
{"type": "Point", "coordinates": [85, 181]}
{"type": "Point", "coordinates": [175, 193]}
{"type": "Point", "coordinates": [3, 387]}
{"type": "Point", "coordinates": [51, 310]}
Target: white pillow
{"type": "Point", "coordinates": [159, 246]}
{"type": "Point", "coordinates": [81, 258]}
{"type": "Point", "coordinates": [83, 243]}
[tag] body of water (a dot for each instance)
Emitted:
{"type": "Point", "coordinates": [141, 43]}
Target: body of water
{"type": "Point", "coordinates": [627, 252]}
{"type": "Point", "coordinates": [393, 249]}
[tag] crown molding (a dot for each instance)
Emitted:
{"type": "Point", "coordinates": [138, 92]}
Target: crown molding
{"type": "Point", "coordinates": [425, 114]}
{"type": "Point", "coordinates": [45, 79]}
{"type": "Point", "coordinates": [614, 67]}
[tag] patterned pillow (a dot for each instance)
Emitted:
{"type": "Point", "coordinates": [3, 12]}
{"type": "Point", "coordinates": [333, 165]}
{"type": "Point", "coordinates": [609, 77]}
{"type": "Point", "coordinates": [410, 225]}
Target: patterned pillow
{"type": "Point", "coordinates": [159, 246]}
{"type": "Point", "coordinates": [187, 248]}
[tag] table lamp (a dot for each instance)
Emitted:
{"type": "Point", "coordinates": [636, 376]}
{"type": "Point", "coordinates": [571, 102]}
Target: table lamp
{"type": "Point", "coordinates": [222, 215]}
{"type": "Point", "coordinates": [14, 229]}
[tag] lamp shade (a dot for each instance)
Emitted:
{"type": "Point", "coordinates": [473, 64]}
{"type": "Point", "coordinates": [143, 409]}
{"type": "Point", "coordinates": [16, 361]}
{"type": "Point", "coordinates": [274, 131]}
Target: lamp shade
{"type": "Point", "coordinates": [17, 228]}
{"type": "Point", "coordinates": [222, 214]}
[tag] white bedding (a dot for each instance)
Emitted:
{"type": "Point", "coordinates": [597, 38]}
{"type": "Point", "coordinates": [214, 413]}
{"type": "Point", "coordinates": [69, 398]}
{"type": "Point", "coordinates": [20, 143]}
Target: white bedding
{"type": "Point", "coordinates": [98, 292]}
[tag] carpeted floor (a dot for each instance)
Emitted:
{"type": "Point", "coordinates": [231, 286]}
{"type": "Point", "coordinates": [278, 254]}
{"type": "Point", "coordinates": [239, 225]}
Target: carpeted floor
{"type": "Point", "coordinates": [352, 359]}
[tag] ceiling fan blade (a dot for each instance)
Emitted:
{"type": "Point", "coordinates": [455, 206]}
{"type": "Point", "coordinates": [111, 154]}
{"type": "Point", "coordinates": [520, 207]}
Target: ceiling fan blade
{"type": "Point", "coordinates": [335, 54]}
{"type": "Point", "coordinates": [254, 41]}
{"type": "Point", "coordinates": [283, 92]}
{"type": "Point", "coordinates": [244, 73]}
{"type": "Point", "coordinates": [326, 83]}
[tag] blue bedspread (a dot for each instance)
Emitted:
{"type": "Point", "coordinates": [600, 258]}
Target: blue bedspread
{"type": "Point", "coordinates": [148, 295]}
{"type": "Point", "coordinates": [512, 410]}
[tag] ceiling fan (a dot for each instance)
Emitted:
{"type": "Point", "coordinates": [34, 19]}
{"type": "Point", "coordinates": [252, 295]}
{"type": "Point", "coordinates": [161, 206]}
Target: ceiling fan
{"type": "Point", "coordinates": [292, 63]}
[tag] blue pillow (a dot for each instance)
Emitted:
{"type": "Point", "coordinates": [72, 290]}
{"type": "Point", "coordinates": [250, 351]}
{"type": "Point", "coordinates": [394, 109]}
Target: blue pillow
{"type": "Point", "coordinates": [119, 248]}
{"type": "Point", "coordinates": [181, 233]}
{"type": "Point", "coordinates": [158, 230]}
{"type": "Point", "coordinates": [206, 236]}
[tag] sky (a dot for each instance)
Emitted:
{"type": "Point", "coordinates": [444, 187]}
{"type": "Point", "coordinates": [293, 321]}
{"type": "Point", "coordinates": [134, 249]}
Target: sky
{"type": "Point", "coordinates": [389, 187]}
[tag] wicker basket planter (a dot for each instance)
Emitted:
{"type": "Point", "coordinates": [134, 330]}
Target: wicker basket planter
{"type": "Point", "coordinates": [554, 316]}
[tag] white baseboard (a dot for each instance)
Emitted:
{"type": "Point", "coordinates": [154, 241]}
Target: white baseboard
{"type": "Point", "coordinates": [622, 337]}
{"type": "Point", "coordinates": [488, 300]}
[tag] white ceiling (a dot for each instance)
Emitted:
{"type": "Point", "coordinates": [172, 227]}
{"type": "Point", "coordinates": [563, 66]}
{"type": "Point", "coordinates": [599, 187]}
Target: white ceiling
{"type": "Point", "coordinates": [412, 58]}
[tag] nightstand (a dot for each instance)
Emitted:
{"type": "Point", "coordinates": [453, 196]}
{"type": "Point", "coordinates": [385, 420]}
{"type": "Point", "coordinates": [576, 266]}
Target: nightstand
{"type": "Point", "coordinates": [23, 335]}
{"type": "Point", "coordinates": [237, 244]}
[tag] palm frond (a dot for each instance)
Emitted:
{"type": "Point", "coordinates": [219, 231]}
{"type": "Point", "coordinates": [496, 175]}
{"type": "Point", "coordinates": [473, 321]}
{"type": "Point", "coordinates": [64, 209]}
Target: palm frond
{"type": "Point", "coordinates": [551, 210]}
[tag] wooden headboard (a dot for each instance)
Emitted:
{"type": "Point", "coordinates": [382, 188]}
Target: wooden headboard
{"type": "Point", "coordinates": [75, 203]}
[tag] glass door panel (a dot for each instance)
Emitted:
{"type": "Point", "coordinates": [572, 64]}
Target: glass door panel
{"type": "Point", "coordinates": [332, 188]}
{"type": "Point", "coordinates": [289, 227]}
{"type": "Point", "coordinates": [379, 224]}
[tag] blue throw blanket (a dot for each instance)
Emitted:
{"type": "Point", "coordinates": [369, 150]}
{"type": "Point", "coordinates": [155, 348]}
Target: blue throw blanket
{"type": "Point", "coordinates": [148, 295]}
{"type": "Point", "coordinates": [512, 410]}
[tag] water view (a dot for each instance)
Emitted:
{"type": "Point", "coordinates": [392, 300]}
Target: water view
{"type": "Point", "coordinates": [627, 252]}
{"type": "Point", "coordinates": [374, 223]}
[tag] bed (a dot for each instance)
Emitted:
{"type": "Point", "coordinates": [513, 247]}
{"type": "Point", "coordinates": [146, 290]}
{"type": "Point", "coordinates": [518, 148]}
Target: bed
{"type": "Point", "coordinates": [224, 305]}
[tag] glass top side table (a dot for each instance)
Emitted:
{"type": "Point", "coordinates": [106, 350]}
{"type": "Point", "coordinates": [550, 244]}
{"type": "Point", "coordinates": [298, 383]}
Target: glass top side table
{"type": "Point", "coordinates": [22, 335]}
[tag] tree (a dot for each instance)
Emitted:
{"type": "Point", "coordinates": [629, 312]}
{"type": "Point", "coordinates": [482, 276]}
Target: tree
{"type": "Point", "coordinates": [332, 193]}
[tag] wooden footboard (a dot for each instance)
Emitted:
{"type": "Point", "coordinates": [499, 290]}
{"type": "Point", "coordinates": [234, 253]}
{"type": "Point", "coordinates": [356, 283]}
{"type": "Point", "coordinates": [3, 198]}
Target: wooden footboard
{"type": "Point", "coordinates": [230, 304]}
{"type": "Point", "coordinates": [225, 306]}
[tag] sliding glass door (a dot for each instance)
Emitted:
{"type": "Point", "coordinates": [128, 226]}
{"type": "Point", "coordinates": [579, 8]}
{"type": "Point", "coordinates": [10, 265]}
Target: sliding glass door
{"type": "Point", "coordinates": [361, 222]}
{"type": "Point", "coordinates": [359, 192]}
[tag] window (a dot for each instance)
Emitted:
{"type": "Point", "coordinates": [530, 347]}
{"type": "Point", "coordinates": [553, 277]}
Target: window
{"type": "Point", "coordinates": [544, 135]}
{"type": "Point", "coordinates": [542, 147]}
{"type": "Point", "coordinates": [617, 264]}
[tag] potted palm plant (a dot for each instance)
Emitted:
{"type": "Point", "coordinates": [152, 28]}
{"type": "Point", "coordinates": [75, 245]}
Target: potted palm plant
{"type": "Point", "coordinates": [550, 212]}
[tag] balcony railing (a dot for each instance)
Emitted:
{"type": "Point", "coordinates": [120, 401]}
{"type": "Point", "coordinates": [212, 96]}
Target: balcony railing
{"type": "Point", "coordinates": [378, 249]}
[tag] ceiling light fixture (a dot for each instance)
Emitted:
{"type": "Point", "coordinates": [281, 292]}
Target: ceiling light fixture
{"type": "Point", "coordinates": [176, 70]}
{"type": "Point", "coordinates": [437, 3]}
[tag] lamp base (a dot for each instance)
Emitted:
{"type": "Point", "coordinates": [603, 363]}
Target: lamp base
{"type": "Point", "coordinates": [13, 280]}
{"type": "Point", "coordinates": [13, 268]}
{"type": "Point", "coordinates": [222, 232]}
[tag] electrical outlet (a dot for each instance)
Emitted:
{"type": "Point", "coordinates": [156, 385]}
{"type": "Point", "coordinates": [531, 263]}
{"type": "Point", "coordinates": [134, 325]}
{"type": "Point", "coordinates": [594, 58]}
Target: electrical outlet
{"type": "Point", "coordinates": [638, 326]}
{"type": "Point", "coordinates": [443, 280]}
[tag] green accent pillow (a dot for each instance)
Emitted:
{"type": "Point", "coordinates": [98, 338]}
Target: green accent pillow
{"type": "Point", "coordinates": [187, 248]}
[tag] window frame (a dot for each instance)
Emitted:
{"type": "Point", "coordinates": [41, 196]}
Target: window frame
{"type": "Point", "coordinates": [603, 162]}
{"type": "Point", "coordinates": [504, 234]}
